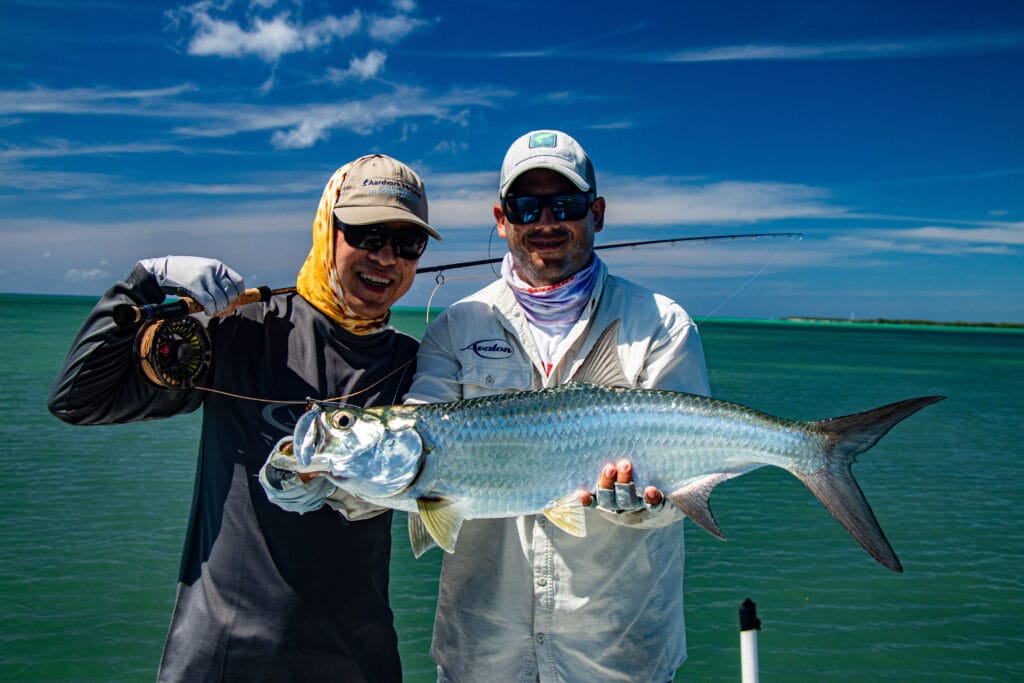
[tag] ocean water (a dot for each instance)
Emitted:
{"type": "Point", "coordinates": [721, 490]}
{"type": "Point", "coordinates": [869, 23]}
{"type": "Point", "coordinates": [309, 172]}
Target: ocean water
{"type": "Point", "coordinates": [93, 518]}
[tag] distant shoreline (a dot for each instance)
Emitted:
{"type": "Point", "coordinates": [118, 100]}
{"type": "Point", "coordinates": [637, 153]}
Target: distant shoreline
{"type": "Point", "coordinates": [898, 321]}
{"type": "Point", "coordinates": [91, 299]}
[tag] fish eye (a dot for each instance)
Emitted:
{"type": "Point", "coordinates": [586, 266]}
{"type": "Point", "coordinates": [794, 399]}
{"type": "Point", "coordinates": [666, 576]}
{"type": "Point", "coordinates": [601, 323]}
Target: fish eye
{"type": "Point", "coordinates": [343, 419]}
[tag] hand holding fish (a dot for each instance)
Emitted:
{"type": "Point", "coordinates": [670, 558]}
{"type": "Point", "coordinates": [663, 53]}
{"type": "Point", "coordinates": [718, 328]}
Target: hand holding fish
{"type": "Point", "coordinates": [616, 491]}
{"type": "Point", "coordinates": [295, 492]}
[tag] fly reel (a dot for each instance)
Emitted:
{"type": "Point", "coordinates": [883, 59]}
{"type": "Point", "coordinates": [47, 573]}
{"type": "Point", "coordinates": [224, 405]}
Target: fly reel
{"type": "Point", "coordinates": [174, 354]}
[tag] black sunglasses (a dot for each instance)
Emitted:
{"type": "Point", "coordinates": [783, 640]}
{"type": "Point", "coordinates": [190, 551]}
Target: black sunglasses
{"type": "Point", "coordinates": [527, 208]}
{"type": "Point", "coordinates": [407, 243]}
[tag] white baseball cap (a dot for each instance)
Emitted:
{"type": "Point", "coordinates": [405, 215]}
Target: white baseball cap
{"type": "Point", "coordinates": [550, 149]}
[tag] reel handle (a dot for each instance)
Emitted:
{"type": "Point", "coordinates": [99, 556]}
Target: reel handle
{"type": "Point", "coordinates": [126, 314]}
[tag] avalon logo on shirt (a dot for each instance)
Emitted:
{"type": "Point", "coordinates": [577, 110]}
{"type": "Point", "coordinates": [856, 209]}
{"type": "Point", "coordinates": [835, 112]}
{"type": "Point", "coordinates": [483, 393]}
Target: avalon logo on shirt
{"type": "Point", "coordinates": [492, 349]}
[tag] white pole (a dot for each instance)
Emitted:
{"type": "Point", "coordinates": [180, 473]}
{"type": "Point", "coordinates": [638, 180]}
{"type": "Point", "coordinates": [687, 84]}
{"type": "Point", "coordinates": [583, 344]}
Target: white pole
{"type": "Point", "coordinates": [749, 625]}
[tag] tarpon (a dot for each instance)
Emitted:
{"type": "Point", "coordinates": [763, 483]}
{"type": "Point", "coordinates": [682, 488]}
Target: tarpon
{"type": "Point", "coordinates": [532, 452]}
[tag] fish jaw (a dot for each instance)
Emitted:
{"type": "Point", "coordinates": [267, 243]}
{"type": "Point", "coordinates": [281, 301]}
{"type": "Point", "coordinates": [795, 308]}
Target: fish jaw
{"type": "Point", "coordinates": [294, 452]}
{"type": "Point", "coordinates": [305, 436]}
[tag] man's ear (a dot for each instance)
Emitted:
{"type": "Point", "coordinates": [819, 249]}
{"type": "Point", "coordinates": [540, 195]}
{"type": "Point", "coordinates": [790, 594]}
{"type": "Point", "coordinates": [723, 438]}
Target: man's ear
{"type": "Point", "coordinates": [499, 220]}
{"type": "Point", "coordinates": [598, 208]}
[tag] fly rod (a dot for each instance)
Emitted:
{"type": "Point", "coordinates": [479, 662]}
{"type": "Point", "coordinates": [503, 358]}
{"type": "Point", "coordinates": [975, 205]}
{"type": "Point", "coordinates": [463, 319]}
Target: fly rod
{"type": "Point", "coordinates": [126, 314]}
{"type": "Point", "coordinates": [621, 245]}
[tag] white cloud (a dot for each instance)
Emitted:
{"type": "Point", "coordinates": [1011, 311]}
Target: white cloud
{"type": "Point", "coordinates": [360, 69]}
{"type": "Point", "coordinates": [450, 147]}
{"type": "Point", "coordinates": [393, 29]}
{"type": "Point", "coordinates": [78, 276]}
{"type": "Point", "coordinates": [63, 148]}
{"type": "Point", "coordinates": [612, 125]}
{"type": "Point", "coordinates": [404, 6]}
{"type": "Point", "coordinates": [266, 39]}
{"type": "Point", "coordinates": [667, 201]}
{"type": "Point", "coordinates": [38, 100]}
{"type": "Point", "coordinates": [853, 50]}
{"type": "Point", "coordinates": [302, 127]}
{"type": "Point", "coordinates": [1006, 234]}
{"type": "Point", "coordinates": [270, 37]}
{"type": "Point", "coordinates": [293, 126]}
{"type": "Point", "coordinates": [1001, 239]}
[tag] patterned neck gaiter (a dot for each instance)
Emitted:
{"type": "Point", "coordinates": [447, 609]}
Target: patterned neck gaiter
{"type": "Point", "coordinates": [552, 311]}
{"type": "Point", "coordinates": [318, 281]}
{"type": "Point", "coordinates": [558, 304]}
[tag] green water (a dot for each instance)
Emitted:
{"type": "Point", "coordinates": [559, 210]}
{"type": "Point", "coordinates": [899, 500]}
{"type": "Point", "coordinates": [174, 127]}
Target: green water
{"type": "Point", "coordinates": [94, 517]}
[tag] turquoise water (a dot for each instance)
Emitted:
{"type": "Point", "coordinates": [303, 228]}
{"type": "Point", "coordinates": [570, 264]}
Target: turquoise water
{"type": "Point", "coordinates": [93, 518]}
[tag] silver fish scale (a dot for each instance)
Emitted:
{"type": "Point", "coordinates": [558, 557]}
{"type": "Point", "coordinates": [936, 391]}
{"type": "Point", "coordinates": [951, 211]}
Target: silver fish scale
{"type": "Point", "coordinates": [506, 454]}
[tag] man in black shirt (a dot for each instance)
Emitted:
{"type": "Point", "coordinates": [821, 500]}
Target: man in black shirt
{"type": "Point", "coordinates": [258, 595]}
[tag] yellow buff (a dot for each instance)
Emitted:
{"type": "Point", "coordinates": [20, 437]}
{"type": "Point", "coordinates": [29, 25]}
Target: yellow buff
{"type": "Point", "coordinates": [318, 281]}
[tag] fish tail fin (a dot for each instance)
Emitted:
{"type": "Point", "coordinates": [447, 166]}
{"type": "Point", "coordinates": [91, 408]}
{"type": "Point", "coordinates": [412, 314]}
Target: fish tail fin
{"type": "Point", "coordinates": [833, 484]}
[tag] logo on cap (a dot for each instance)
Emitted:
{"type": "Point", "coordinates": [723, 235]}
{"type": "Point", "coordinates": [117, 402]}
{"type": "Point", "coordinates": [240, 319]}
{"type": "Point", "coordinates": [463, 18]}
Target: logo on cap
{"type": "Point", "coordinates": [545, 139]}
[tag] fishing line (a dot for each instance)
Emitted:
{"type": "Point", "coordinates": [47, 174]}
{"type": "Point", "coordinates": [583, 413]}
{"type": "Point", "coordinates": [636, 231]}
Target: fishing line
{"type": "Point", "coordinates": [764, 266]}
{"type": "Point", "coordinates": [442, 280]}
{"type": "Point", "coordinates": [335, 399]}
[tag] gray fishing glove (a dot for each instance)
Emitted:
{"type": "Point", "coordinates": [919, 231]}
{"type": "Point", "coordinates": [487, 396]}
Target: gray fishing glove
{"type": "Point", "coordinates": [286, 490]}
{"type": "Point", "coordinates": [624, 498]}
{"type": "Point", "coordinates": [208, 281]}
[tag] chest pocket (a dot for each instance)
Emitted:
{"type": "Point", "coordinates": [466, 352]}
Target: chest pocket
{"type": "Point", "coordinates": [485, 377]}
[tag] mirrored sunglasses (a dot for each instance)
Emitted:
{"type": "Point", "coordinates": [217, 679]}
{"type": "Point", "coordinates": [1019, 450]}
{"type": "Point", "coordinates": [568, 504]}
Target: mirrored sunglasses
{"type": "Point", "coordinates": [527, 208]}
{"type": "Point", "coordinates": [408, 243]}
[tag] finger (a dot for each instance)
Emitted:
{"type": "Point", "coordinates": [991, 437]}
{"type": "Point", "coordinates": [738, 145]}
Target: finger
{"type": "Point", "coordinates": [586, 498]}
{"type": "Point", "coordinates": [625, 472]}
{"type": "Point", "coordinates": [607, 478]}
{"type": "Point", "coordinates": [653, 495]}
{"type": "Point", "coordinates": [306, 477]}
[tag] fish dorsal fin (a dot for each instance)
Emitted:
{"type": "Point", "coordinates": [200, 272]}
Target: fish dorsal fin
{"type": "Point", "coordinates": [419, 538]}
{"type": "Point", "coordinates": [602, 366]}
{"type": "Point", "coordinates": [567, 514]}
{"type": "Point", "coordinates": [442, 519]}
{"type": "Point", "coordinates": [693, 500]}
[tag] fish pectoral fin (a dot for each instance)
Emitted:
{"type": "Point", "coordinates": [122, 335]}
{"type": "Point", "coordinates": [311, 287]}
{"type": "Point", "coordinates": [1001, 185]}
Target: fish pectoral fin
{"type": "Point", "coordinates": [419, 538]}
{"type": "Point", "coordinates": [694, 500]}
{"type": "Point", "coordinates": [442, 519]}
{"type": "Point", "coordinates": [567, 513]}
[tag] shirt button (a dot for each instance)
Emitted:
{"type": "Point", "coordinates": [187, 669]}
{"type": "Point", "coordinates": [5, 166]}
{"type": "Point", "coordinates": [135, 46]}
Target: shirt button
{"type": "Point", "coordinates": [488, 380]}
{"type": "Point", "coordinates": [540, 637]}
{"type": "Point", "coordinates": [543, 521]}
{"type": "Point", "coordinates": [542, 581]}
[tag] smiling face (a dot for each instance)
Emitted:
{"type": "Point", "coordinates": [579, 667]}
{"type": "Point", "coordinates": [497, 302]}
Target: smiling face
{"type": "Point", "coordinates": [373, 280]}
{"type": "Point", "coordinates": [548, 251]}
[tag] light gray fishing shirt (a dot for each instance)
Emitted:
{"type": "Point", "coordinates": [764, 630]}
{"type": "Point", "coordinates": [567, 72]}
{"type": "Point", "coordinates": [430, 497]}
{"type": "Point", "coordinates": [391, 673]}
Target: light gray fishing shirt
{"type": "Point", "coordinates": [519, 599]}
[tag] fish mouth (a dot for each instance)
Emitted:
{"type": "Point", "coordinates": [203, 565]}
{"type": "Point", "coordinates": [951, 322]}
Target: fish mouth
{"type": "Point", "coordinates": [283, 455]}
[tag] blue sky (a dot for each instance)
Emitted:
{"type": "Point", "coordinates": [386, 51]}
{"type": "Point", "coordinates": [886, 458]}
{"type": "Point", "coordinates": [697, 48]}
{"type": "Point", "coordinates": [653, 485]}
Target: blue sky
{"type": "Point", "coordinates": [889, 134]}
